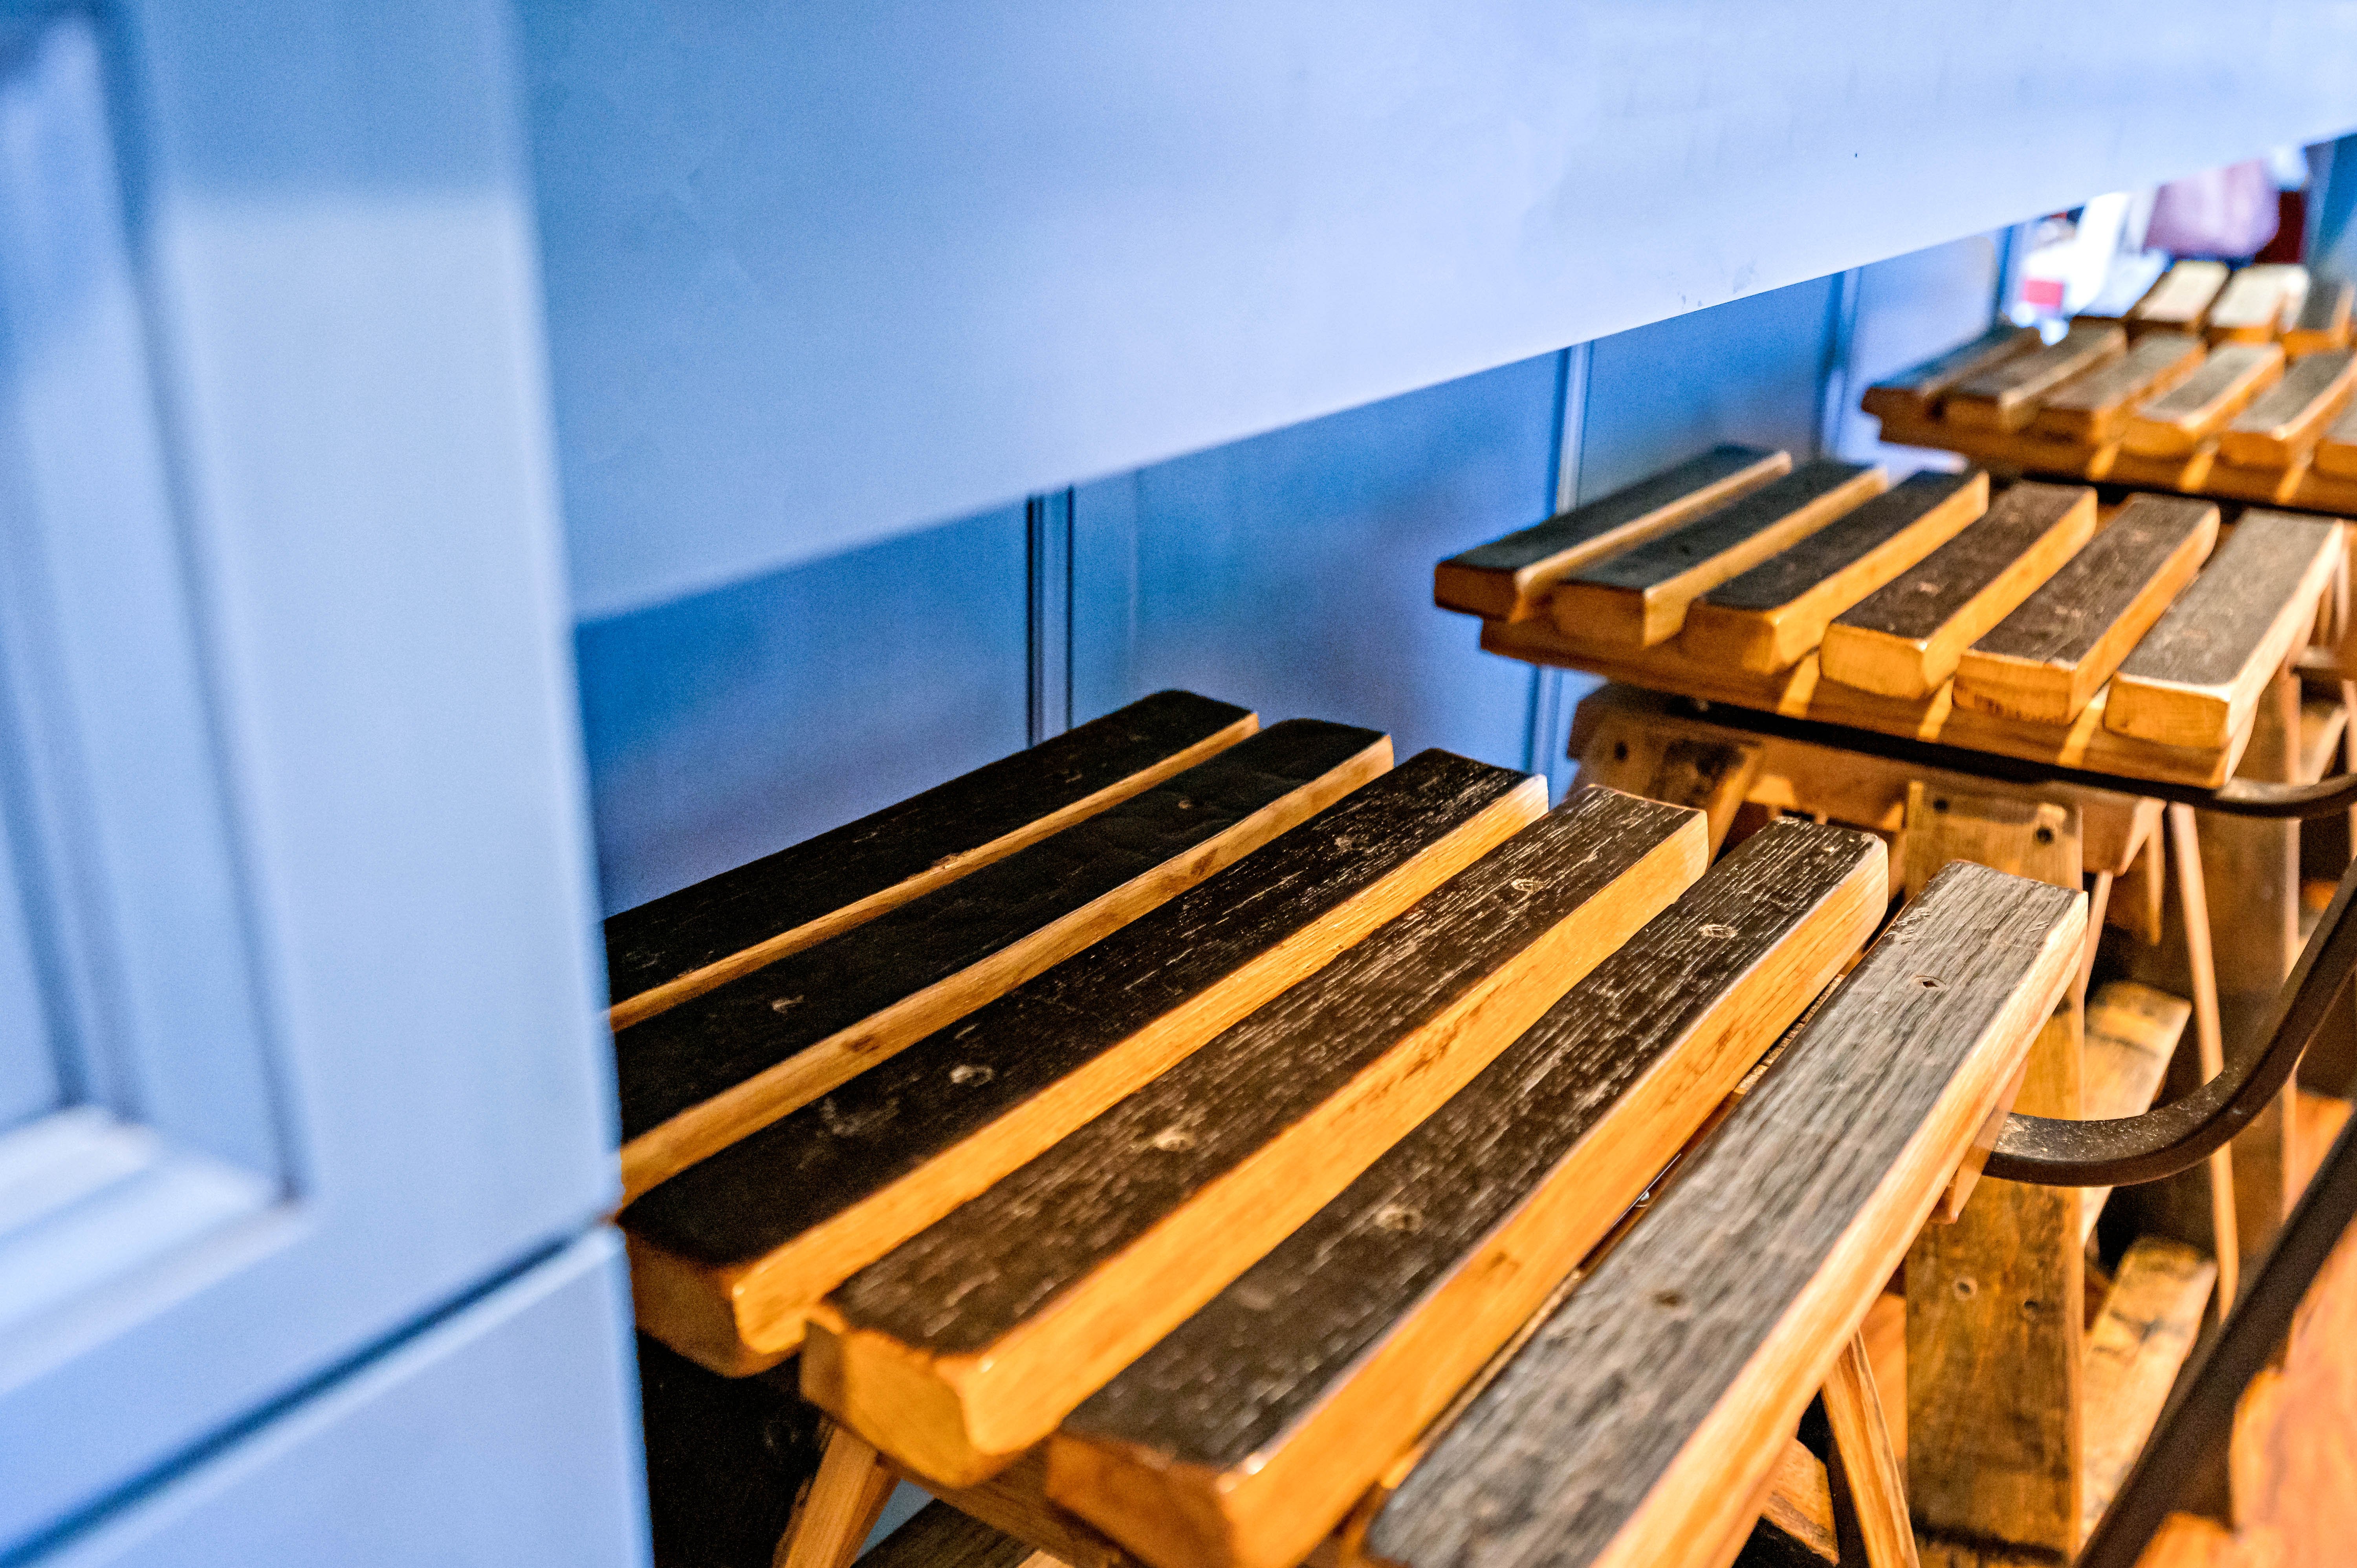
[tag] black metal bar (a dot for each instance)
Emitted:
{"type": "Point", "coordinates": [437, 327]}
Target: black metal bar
{"type": "Point", "coordinates": [2178, 1136]}
{"type": "Point", "coordinates": [2198, 1420]}
{"type": "Point", "coordinates": [2236, 798]}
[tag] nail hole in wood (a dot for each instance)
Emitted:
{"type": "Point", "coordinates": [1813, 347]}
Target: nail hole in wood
{"type": "Point", "coordinates": [1939, 805]}
{"type": "Point", "coordinates": [1966, 1289]}
{"type": "Point", "coordinates": [2044, 835]}
{"type": "Point", "coordinates": [1928, 982]}
{"type": "Point", "coordinates": [1668, 1298]}
{"type": "Point", "coordinates": [1619, 751]}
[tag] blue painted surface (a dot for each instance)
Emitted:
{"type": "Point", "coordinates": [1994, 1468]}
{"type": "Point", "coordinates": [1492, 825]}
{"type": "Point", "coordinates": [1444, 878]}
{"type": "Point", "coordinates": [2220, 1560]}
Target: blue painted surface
{"type": "Point", "coordinates": [819, 272]}
{"type": "Point", "coordinates": [735, 722]}
{"type": "Point", "coordinates": [1293, 571]}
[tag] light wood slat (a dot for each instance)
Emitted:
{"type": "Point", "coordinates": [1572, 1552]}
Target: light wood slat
{"type": "Point", "coordinates": [2179, 300]}
{"type": "Point", "coordinates": [2257, 304]}
{"type": "Point", "coordinates": [2322, 725]}
{"type": "Point", "coordinates": [1904, 639]}
{"type": "Point", "coordinates": [2047, 660]}
{"type": "Point", "coordinates": [1509, 578]}
{"type": "Point", "coordinates": [2335, 457]}
{"type": "Point", "coordinates": [2094, 407]}
{"type": "Point", "coordinates": [2283, 421]}
{"type": "Point", "coordinates": [1744, 1280]}
{"type": "Point", "coordinates": [2176, 421]}
{"type": "Point", "coordinates": [1916, 393]}
{"type": "Point", "coordinates": [958, 1349]}
{"type": "Point", "coordinates": [1767, 618]}
{"type": "Point", "coordinates": [1247, 1433]}
{"type": "Point", "coordinates": [2132, 1033]}
{"type": "Point", "coordinates": [684, 944]}
{"type": "Point", "coordinates": [2005, 397]}
{"type": "Point", "coordinates": [2323, 322]}
{"type": "Point", "coordinates": [833, 1517]}
{"type": "Point", "coordinates": [2149, 1322]}
{"type": "Point", "coordinates": [1876, 1487]}
{"type": "Point", "coordinates": [2196, 677]}
{"type": "Point", "coordinates": [696, 1079]}
{"type": "Point", "coordinates": [1795, 1529]}
{"type": "Point", "coordinates": [1639, 598]}
{"type": "Point", "coordinates": [939, 1536]}
{"type": "Point", "coordinates": [727, 1258]}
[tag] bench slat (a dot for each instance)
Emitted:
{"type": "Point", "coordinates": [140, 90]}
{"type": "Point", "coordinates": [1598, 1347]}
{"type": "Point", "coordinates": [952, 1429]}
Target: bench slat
{"type": "Point", "coordinates": [2005, 397]}
{"type": "Point", "coordinates": [1916, 393]}
{"type": "Point", "coordinates": [2095, 408]}
{"type": "Point", "coordinates": [2178, 420]}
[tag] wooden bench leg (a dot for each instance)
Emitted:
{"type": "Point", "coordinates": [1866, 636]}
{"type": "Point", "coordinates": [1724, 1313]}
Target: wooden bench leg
{"type": "Point", "coordinates": [1867, 1486]}
{"type": "Point", "coordinates": [844, 1497]}
{"type": "Point", "coordinates": [2209, 1037]}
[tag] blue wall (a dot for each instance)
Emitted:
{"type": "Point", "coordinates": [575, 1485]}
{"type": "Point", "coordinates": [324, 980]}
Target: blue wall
{"type": "Point", "coordinates": [1291, 571]}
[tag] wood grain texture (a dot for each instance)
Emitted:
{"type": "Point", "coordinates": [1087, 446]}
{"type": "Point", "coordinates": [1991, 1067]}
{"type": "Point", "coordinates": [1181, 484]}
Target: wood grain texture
{"type": "Point", "coordinates": [1916, 391]}
{"type": "Point", "coordinates": [2257, 304]}
{"type": "Point", "coordinates": [2132, 1032]}
{"type": "Point", "coordinates": [1245, 1435]}
{"type": "Point", "coordinates": [1905, 638]}
{"type": "Point", "coordinates": [1639, 597]}
{"type": "Point", "coordinates": [844, 1497]}
{"type": "Point", "coordinates": [727, 1258]}
{"type": "Point", "coordinates": [2094, 407]}
{"type": "Point", "coordinates": [939, 1536]}
{"type": "Point", "coordinates": [1712, 776]}
{"type": "Point", "coordinates": [1870, 1469]}
{"type": "Point", "coordinates": [1638, 1424]}
{"type": "Point", "coordinates": [2181, 299]}
{"type": "Point", "coordinates": [1766, 618]}
{"type": "Point", "coordinates": [2283, 421]}
{"type": "Point", "coordinates": [1795, 1529]}
{"type": "Point", "coordinates": [2150, 1318]}
{"type": "Point", "coordinates": [2005, 396]}
{"type": "Point", "coordinates": [2195, 679]}
{"type": "Point", "coordinates": [2335, 457]}
{"type": "Point", "coordinates": [2046, 661]}
{"type": "Point", "coordinates": [1994, 1318]}
{"type": "Point", "coordinates": [2322, 321]}
{"type": "Point", "coordinates": [1014, 1502]}
{"type": "Point", "coordinates": [2178, 421]}
{"type": "Point", "coordinates": [1509, 578]}
{"type": "Point", "coordinates": [684, 943]}
{"type": "Point", "coordinates": [697, 1077]}
{"type": "Point", "coordinates": [957, 1350]}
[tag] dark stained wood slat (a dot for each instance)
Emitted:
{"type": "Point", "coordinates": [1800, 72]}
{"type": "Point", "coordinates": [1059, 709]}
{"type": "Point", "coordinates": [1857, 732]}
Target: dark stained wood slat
{"type": "Point", "coordinates": [2196, 677]}
{"type": "Point", "coordinates": [2094, 407]}
{"type": "Point", "coordinates": [1508, 578]}
{"type": "Point", "coordinates": [1639, 597]}
{"type": "Point", "coordinates": [941, 1537]}
{"type": "Point", "coordinates": [2004, 397]}
{"type": "Point", "coordinates": [2257, 304]}
{"type": "Point", "coordinates": [699, 1077]}
{"type": "Point", "coordinates": [2046, 661]}
{"type": "Point", "coordinates": [1639, 1423]}
{"type": "Point", "coordinates": [2173, 423]}
{"type": "Point", "coordinates": [1906, 638]}
{"type": "Point", "coordinates": [684, 943]}
{"type": "Point", "coordinates": [1766, 618]}
{"type": "Point", "coordinates": [2337, 454]}
{"type": "Point", "coordinates": [728, 1257]}
{"type": "Point", "coordinates": [970, 1342]}
{"type": "Point", "coordinates": [2323, 319]}
{"type": "Point", "coordinates": [1916, 391]}
{"type": "Point", "coordinates": [1245, 1436]}
{"type": "Point", "coordinates": [2282, 422]}
{"type": "Point", "coordinates": [2181, 299]}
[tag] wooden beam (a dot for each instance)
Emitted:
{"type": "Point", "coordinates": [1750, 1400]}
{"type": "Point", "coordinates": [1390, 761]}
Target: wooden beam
{"type": "Point", "coordinates": [1766, 618]}
{"type": "Point", "coordinates": [2095, 408]}
{"type": "Point", "coordinates": [970, 1342]}
{"type": "Point", "coordinates": [684, 943]}
{"type": "Point", "coordinates": [2209, 1037]}
{"type": "Point", "coordinates": [2047, 660]}
{"type": "Point", "coordinates": [939, 1536]}
{"type": "Point", "coordinates": [2321, 726]}
{"type": "Point", "coordinates": [1637, 597]}
{"type": "Point", "coordinates": [1015, 1503]}
{"type": "Point", "coordinates": [2005, 396]}
{"type": "Point", "coordinates": [727, 1258]}
{"type": "Point", "coordinates": [833, 1517]}
{"type": "Point", "coordinates": [2137, 895]}
{"type": "Point", "coordinates": [2285, 421]}
{"type": "Point", "coordinates": [2257, 304]}
{"type": "Point", "coordinates": [1993, 1316]}
{"type": "Point", "coordinates": [1917, 392]}
{"type": "Point", "coordinates": [2323, 322]}
{"type": "Point", "coordinates": [1904, 639]}
{"type": "Point", "coordinates": [697, 1077]}
{"type": "Point", "coordinates": [1747, 1276]}
{"type": "Point", "coordinates": [2178, 420]}
{"type": "Point", "coordinates": [1509, 578]}
{"type": "Point", "coordinates": [1795, 1529]}
{"type": "Point", "coordinates": [2179, 300]}
{"type": "Point", "coordinates": [2132, 1032]}
{"type": "Point", "coordinates": [1711, 776]}
{"type": "Point", "coordinates": [2196, 677]}
{"type": "Point", "coordinates": [1869, 1470]}
{"type": "Point", "coordinates": [1246, 1435]}
{"type": "Point", "coordinates": [2150, 1318]}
